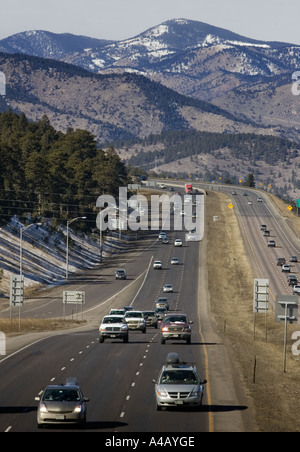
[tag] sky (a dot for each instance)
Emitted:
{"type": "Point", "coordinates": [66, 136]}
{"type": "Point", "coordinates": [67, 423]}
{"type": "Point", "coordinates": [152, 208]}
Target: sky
{"type": "Point", "coordinates": [269, 20]}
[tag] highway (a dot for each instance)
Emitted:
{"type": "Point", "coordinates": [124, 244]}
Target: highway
{"type": "Point", "coordinates": [117, 377]}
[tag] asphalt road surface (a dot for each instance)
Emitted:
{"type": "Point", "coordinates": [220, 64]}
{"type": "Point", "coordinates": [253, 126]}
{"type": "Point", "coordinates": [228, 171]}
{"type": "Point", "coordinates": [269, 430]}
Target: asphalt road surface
{"type": "Point", "coordinates": [117, 377]}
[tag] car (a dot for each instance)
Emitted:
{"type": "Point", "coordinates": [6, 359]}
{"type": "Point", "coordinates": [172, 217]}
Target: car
{"type": "Point", "coordinates": [117, 311]}
{"type": "Point", "coordinates": [178, 242]}
{"type": "Point", "coordinates": [296, 290]}
{"type": "Point", "coordinates": [250, 203]}
{"type": "Point", "coordinates": [263, 227]}
{"type": "Point", "coordinates": [162, 302]}
{"type": "Point", "coordinates": [113, 327]}
{"type": "Point", "coordinates": [160, 313]}
{"type": "Point", "coordinates": [162, 235]}
{"type": "Point", "coordinates": [174, 261]}
{"type": "Point", "coordinates": [157, 265]}
{"type": "Point", "coordinates": [121, 274]}
{"type": "Point", "coordinates": [281, 261]}
{"type": "Point", "coordinates": [165, 241]}
{"type": "Point", "coordinates": [151, 319]}
{"type": "Point", "coordinates": [294, 259]}
{"type": "Point", "coordinates": [267, 233]}
{"type": "Point", "coordinates": [292, 280]}
{"type": "Point", "coordinates": [286, 268]}
{"type": "Point", "coordinates": [62, 404]}
{"type": "Point", "coordinates": [176, 326]}
{"type": "Point", "coordinates": [135, 321]}
{"type": "Point", "coordinates": [168, 288]}
{"type": "Point", "coordinates": [178, 385]}
{"type": "Point", "coordinates": [259, 199]}
{"type": "Point", "coordinates": [272, 244]}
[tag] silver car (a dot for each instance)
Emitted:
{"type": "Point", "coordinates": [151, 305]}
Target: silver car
{"type": "Point", "coordinates": [178, 385]}
{"type": "Point", "coordinates": [62, 404]}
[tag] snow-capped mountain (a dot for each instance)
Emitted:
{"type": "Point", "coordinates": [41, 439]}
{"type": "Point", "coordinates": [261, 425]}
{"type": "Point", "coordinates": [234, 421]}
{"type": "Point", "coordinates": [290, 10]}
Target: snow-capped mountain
{"type": "Point", "coordinates": [242, 75]}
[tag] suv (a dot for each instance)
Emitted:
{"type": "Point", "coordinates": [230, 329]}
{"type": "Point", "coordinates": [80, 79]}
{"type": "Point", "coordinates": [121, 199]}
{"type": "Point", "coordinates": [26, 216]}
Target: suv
{"type": "Point", "coordinates": [162, 302]}
{"type": "Point", "coordinates": [135, 321]}
{"type": "Point", "coordinates": [151, 318]}
{"type": "Point", "coordinates": [178, 385]}
{"type": "Point", "coordinates": [113, 327]}
{"type": "Point", "coordinates": [62, 404]}
{"type": "Point", "coordinates": [176, 326]}
{"type": "Point", "coordinates": [157, 265]}
{"type": "Point", "coordinates": [121, 274]}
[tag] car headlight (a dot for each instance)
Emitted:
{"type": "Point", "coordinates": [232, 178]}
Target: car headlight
{"type": "Point", "coordinates": [43, 408]}
{"type": "Point", "coordinates": [165, 329]}
{"type": "Point", "coordinates": [79, 408]}
{"type": "Point", "coordinates": [195, 393]}
{"type": "Point", "coordinates": [162, 393]}
{"type": "Point", "coordinates": [124, 328]}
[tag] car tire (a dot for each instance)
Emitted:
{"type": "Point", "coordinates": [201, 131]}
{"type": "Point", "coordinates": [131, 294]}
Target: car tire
{"type": "Point", "coordinates": [101, 340]}
{"type": "Point", "coordinates": [188, 341]}
{"type": "Point", "coordinates": [163, 341]}
{"type": "Point", "coordinates": [125, 340]}
{"type": "Point", "coordinates": [158, 408]}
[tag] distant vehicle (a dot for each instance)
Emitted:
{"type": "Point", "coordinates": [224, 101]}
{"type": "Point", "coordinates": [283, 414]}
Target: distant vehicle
{"type": "Point", "coordinates": [62, 404]}
{"type": "Point", "coordinates": [113, 327]}
{"type": "Point", "coordinates": [178, 242]}
{"type": "Point", "coordinates": [151, 319]}
{"type": "Point", "coordinates": [292, 280]}
{"type": "Point", "coordinates": [157, 265]}
{"type": "Point", "coordinates": [174, 261]}
{"type": "Point", "coordinates": [259, 199]}
{"type": "Point", "coordinates": [245, 193]}
{"type": "Point", "coordinates": [272, 244]}
{"type": "Point", "coordinates": [178, 385]}
{"type": "Point", "coordinates": [286, 268]}
{"type": "Point", "coordinates": [161, 313]}
{"type": "Point", "coordinates": [267, 233]}
{"type": "Point", "coordinates": [293, 259]}
{"type": "Point", "coordinates": [263, 227]}
{"type": "Point", "coordinates": [188, 189]}
{"type": "Point", "coordinates": [296, 290]}
{"type": "Point", "coordinates": [121, 274]}
{"type": "Point", "coordinates": [162, 302]}
{"type": "Point", "coordinates": [176, 327]}
{"type": "Point", "coordinates": [135, 321]}
{"type": "Point", "coordinates": [250, 203]}
{"type": "Point", "coordinates": [117, 311]}
{"type": "Point", "coordinates": [165, 241]}
{"type": "Point", "coordinates": [281, 261]}
{"type": "Point", "coordinates": [168, 288]}
{"type": "Point", "coordinates": [162, 235]}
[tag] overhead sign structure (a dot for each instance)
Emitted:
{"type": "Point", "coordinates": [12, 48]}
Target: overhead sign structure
{"type": "Point", "coordinates": [261, 295]}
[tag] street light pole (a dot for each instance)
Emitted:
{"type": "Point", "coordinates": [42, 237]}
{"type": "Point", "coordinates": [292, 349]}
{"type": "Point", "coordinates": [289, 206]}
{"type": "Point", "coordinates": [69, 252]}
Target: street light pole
{"type": "Point", "coordinates": [67, 252]}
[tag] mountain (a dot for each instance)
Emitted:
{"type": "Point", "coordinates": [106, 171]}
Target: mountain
{"type": "Point", "coordinates": [251, 79]}
{"type": "Point", "coordinates": [112, 107]}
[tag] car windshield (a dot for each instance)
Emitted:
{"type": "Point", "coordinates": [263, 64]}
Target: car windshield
{"type": "Point", "coordinates": [61, 395]}
{"type": "Point", "coordinates": [179, 376]}
{"type": "Point", "coordinates": [113, 320]}
{"type": "Point", "coordinates": [178, 319]}
{"type": "Point", "coordinates": [134, 314]}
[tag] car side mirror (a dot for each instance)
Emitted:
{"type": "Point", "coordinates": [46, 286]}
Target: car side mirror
{"type": "Point", "coordinates": [86, 399]}
{"type": "Point", "coordinates": [203, 382]}
{"type": "Point", "coordinates": [37, 399]}
{"type": "Point", "coordinates": [191, 322]}
{"type": "Point", "coordinates": [155, 382]}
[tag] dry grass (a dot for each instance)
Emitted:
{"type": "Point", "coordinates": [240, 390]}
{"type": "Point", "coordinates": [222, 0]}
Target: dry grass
{"type": "Point", "coordinates": [11, 327]}
{"type": "Point", "coordinates": [275, 393]}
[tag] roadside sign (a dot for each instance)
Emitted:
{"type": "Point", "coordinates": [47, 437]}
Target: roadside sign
{"type": "Point", "coordinates": [261, 295]}
{"type": "Point", "coordinates": [16, 290]}
{"type": "Point", "coordinates": [73, 297]}
{"type": "Point", "coordinates": [298, 203]}
{"type": "Point", "coordinates": [286, 308]}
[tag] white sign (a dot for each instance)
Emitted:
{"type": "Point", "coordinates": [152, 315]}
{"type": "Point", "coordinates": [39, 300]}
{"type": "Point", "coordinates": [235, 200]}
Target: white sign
{"type": "Point", "coordinates": [73, 297]}
{"type": "Point", "coordinates": [261, 295]}
{"type": "Point", "coordinates": [16, 290]}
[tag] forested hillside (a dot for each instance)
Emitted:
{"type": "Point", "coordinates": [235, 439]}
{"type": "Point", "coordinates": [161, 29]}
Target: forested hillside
{"type": "Point", "coordinates": [48, 173]}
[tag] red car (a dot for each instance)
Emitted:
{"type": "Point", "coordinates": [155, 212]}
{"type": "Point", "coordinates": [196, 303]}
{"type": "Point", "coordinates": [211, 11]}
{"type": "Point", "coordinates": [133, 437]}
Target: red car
{"type": "Point", "coordinates": [177, 327]}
